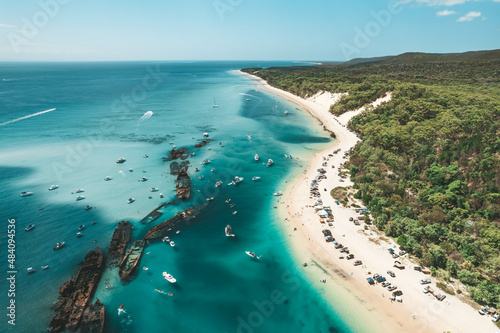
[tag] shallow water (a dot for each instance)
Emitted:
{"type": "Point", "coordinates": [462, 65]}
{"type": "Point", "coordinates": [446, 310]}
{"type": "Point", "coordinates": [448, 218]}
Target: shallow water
{"type": "Point", "coordinates": [97, 120]}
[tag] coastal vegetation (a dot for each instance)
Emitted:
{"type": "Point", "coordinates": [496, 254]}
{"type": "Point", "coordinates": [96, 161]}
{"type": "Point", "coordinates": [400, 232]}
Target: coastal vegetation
{"type": "Point", "coordinates": [428, 165]}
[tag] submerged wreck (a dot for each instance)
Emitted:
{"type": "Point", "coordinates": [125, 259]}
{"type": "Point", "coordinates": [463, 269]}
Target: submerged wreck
{"type": "Point", "coordinates": [156, 213]}
{"type": "Point", "coordinates": [203, 143]}
{"type": "Point", "coordinates": [131, 260]}
{"type": "Point", "coordinates": [176, 168]}
{"type": "Point", "coordinates": [75, 296]}
{"type": "Point", "coordinates": [174, 154]}
{"type": "Point", "coordinates": [119, 241]}
{"type": "Point", "coordinates": [183, 186]}
{"type": "Point", "coordinates": [93, 318]}
{"type": "Point", "coordinates": [161, 229]}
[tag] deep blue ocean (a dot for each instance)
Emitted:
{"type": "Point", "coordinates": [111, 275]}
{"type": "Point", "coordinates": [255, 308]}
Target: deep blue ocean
{"type": "Point", "coordinates": [101, 115]}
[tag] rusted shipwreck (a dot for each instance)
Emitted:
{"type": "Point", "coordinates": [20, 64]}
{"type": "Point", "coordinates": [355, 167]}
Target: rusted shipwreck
{"type": "Point", "coordinates": [119, 241]}
{"type": "Point", "coordinates": [131, 260]}
{"type": "Point", "coordinates": [183, 186]}
{"type": "Point", "coordinates": [76, 294]}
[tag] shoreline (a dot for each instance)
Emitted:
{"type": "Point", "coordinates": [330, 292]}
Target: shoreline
{"type": "Point", "coordinates": [419, 312]}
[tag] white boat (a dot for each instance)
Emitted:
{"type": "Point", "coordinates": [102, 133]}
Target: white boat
{"type": "Point", "coordinates": [234, 213]}
{"type": "Point", "coordinates": [146, 156]}
{"type": "Point", "coordinates": [277, 193]}
{"type": "Point", "coordinates": [81, 227]}
{"type": "Point", "coordinates": [256, 157]}
{"type": "Point", "coordinates": [255, 178]}
{"type": "Point", "coordinates": [143, 179]}
{"type": "Point", "coordinates": [44, 267]}
{"type": "Point", "coordinates": [161, 195]}
{"type": "Point", "coordinates": [215, 105]}
{"type": "Point", "coordinates": [145, 268]}
{"type": "Point", "coordinates": [79, 190]}
{"type": "Point", "coordinates": [196, 169]}
{"type": "Point", "coordinates": [210, 199]}
{"type": "Point", "coordinates": [229, 231]}
{"type": "Point", "coordinates": [53, 187]}
{"type": "Point", "coordinates": [172, 244]}
{"type": "Point", "coordinates": [26, 194]}
{"type": "Point", "coordinates": [286, 113]}
{"type": "Point", "coordinates": [107, 178]}
{"type": "Point", "coordinates": [30, 227]}
{"type": "Point", "coordinates": [205, 135]}
{"type": "Point", "coordinates": [79, 235]}
{"type": "Point", "coordinates": [130, 200]}
{"type": "Point", "coordinates": [236, 180]}
{"type": "Point", "coordinates": [248, 99]}
{"type": "Point", "coordinates": [80, 197]}
{"type": "Point", "coordinates": [217, 184]}
{"type": "Point", "coordinates": [269, 162]}
{"type": "Point", "coordinates": [253, 255]}
{"type": "Point", "coordinates": [88, 207]}
{"type": "Point", "coordinates": [171, 142]}
{"type": "Point", "coordinates": [169, 277]}
{"type": "Point", "coordinates": [201, 177]}
{"type": "Point", "coordinates": [121, 160]}
{"type": "Point", "coordinates": [165, 239]}
{"type": "Point", "coordinates": [59, 245]}
{"type": "Point", "coordinates": [131, 170]}
{"type": "Point", "coordinates": [154, 189]}
{"type": "Point", "coordinates": [30, 270]}
{"type": "Point", "coordinates": [205, 162]}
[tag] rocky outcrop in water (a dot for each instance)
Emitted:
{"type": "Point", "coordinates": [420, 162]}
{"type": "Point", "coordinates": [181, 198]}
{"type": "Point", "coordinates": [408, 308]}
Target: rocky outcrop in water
{"type": "Point", "coordinates": [183, 186]}
{"type": "Point", "coordinates": [174, 154]}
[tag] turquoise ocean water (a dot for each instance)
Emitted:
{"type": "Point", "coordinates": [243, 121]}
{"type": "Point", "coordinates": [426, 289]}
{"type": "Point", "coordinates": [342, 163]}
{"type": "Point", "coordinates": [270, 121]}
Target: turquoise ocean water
{"type": "Point", "coordinates": [99, 117]}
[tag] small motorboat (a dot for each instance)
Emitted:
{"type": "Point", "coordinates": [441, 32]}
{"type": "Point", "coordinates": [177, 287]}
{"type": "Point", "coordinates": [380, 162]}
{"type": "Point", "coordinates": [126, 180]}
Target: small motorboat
{"type": "Point", "coordinates": [59, 245]}
{"type": "Point", "coordinates": [228, 201]}
{"type": "Point", "coordinates": [236, 180]}
{"type": "Point", "coordinates": [161, 195]}
{"type": "Point", "coordinates": [79, 235]}
{"type": "Point", "coordinates": [120, 309]}
{"type": "Point", "coordinates": [253, 255]}
{"type": "Point", "coordinates": [154, 189]}
{"type": "Point", "coordinates": [178, 232]}
{"type": "Point", "coordinates": [286, 113]}
{"type": "Point", "coordinates": [201, 177]}
{"type": "Point", "coordinates": [30, 227]}
{"type": "Point", "coordinates": [234, 213]}
{"type": "Point", "coordinates": [196, 169]}
{"type": "Point", "coordinates": [53, 187]}
{"type": "Point", "coordinates": [93, 222]}
{"type": "Point", "coordinates": [205, 162]}
{"type": "Point", "coordinates": [145, 268]}
{"type": "Point", "coordinates": [277, 193]}
{"type": "Point", "coordinates": [217, 184]}
{"type": "Point", "coordinates": [81, 227]}
{"type": "Point", "coordinates": [80, 197]}
{"type": "Point", "coordinates": [228, 231]}
{"type": "Point", "coordinates": [145, 156]}
{"type": "Point", "coordinates": [30, 270]}
{"type": "Point", "coordinates": [172, 244]}
{"type": "Point", "coordinates": [248, 99]}
{"type": "Point", "coordinates": [26, 194]}
{"type": "Point", "coordinates": [220, 143]}
{"type": "Point", "coordinates": [210, 199]}
{"type": "Point", "coordinates": [79, 190]}
{"type": "Point", "coordinates": [143, 179]}
{"type": "Point", "coordinates": [130, 200]}
{"type": "Point", "coordinates": [131, 170]}
{"type": "Point", "coordinates": [166, 239]}
{"type": "Point", "coordinates": [269, 162]}
{"type": "Point", "coordinates": [205, 135]}
{"type": "Point", "coordinates": [171, 142]}
{"type": "Point", "coordinates": [107, 178]}
{"type": "Point", "coordinates": [212, 169]}
{"type": "Point", "coordinates": [256, 157]}
{"type": "Point", "coordinates": [88, 207]}
{"type": "Point", "coordinates": [44, 267]}
{"type": "Point", "coordinates": [169, 277]}
{"type": "Point", "coordinates": [121, 160]}
{"type": "Point", "coordinates": [255, 178]}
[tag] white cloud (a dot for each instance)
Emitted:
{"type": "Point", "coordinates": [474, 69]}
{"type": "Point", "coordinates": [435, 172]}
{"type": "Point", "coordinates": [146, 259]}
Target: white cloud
{"type": "Point", "coordinates": [469, 16]}
{"type": "Point", "coordinates": [446, 12]}
{"type": "Point", "coordinates": [433, 3]}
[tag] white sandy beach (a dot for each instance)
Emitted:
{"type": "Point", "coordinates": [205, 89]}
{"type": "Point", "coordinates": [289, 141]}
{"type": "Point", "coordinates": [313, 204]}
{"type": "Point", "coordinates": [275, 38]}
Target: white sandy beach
{"type": "Point", "coordinates": [369, 307]}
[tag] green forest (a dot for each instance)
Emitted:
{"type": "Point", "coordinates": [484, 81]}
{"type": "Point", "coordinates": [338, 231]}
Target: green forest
{"type": "Point", "coordinates": [428, 165]}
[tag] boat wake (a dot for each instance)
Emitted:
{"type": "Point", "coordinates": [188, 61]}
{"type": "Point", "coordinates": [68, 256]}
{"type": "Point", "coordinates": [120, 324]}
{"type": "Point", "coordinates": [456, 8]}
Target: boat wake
{"type": "Point", "coordinates": [25, 117]}
{"type": "Point", "coordinates": [145, 116]}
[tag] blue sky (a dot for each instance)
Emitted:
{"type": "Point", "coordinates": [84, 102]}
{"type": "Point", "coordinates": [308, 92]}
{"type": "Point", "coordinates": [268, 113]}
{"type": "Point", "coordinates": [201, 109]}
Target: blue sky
{"type": "Point", "coordinates": [93, 30]}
